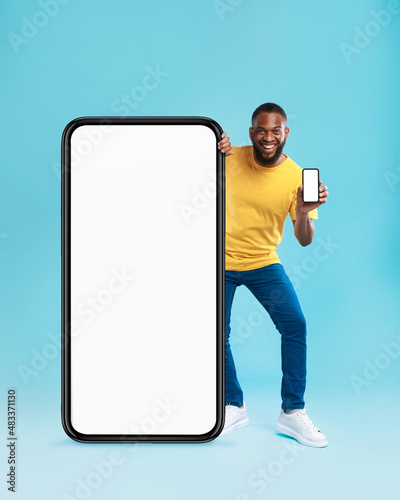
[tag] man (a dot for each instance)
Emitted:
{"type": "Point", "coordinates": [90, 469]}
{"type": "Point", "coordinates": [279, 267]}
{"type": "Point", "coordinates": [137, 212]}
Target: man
{"type": "Point", "coordinates": [263, 186]}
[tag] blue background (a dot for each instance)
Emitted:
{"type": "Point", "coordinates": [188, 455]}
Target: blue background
{"type": "Point", "coordinates": [219, 60]}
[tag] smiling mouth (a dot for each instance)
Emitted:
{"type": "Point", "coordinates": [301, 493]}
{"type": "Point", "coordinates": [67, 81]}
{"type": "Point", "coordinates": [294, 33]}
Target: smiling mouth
{"type": "Point", "coordinates": [268, 147]}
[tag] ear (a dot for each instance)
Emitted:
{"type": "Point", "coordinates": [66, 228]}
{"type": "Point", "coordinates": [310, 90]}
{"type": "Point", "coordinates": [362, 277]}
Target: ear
{"type": "Point", "coordinates": [251, 132]}
{"type": "Point", "coordinates": [286, 133]}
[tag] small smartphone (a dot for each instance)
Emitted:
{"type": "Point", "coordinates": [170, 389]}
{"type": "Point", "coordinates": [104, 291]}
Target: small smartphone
{"type": "Point", "coordinates": [310, 185]}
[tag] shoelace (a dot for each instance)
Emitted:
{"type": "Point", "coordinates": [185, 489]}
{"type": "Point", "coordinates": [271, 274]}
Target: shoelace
{"type": "Point", "coordinates": [307, 420]}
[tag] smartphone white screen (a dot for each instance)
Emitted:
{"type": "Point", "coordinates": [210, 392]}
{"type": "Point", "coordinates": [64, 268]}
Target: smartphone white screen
{"type": "Point", "coordinates": [143, 276]}
{"type": "Point", "coordinates": [310, 185]}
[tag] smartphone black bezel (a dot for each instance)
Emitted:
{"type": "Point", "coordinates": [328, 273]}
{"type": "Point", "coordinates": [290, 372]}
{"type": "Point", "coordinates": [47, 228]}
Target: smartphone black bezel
{"type": "Point", "coordinates": [302, 180]}
{"type": "Point", "coordinates": [66, 280]}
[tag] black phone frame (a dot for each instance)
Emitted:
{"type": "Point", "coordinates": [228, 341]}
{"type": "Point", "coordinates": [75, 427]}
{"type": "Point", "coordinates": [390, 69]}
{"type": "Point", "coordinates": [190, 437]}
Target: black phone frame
{"type": "Point", "coordinates": [302, 181]}
{"type": "Point", "coordinates": [66, 280]}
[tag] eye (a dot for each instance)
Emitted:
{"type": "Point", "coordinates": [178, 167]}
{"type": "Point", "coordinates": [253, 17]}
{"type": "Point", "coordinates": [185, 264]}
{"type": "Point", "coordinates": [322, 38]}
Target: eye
{"type": "Point", "coordinates": [277, 131]}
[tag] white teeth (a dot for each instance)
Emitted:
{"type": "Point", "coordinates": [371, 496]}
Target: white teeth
{"type": "Point", "coordinates": [270, 146]}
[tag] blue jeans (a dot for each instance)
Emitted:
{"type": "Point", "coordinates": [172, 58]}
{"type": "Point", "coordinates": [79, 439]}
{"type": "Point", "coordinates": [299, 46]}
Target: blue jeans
{"type": "Point", "coordinates": [273, 289]}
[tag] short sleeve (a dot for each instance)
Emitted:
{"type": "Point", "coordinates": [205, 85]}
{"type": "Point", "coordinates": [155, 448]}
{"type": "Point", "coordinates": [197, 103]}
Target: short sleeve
{"type": "Point", "coordinates": [313, 214]}
{"type": "Point", "coordinates": [232, 158]}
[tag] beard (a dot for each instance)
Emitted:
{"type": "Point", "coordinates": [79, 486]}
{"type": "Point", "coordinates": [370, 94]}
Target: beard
{"type": "Point", "coordinates": [258, 154]}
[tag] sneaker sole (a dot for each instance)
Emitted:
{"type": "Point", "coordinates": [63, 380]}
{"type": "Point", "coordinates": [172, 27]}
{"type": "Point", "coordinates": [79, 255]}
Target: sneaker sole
{"type": "Point", "coordinates": [289, 432]}
{"type": "Point", "coordinates": [244, 422]}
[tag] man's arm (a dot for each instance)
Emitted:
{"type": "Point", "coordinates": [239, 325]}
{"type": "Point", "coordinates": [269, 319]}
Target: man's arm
{"type": "Point", "coordinates": [304, 228]}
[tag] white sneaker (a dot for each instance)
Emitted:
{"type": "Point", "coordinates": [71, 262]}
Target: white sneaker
{"type": "Point", "coordinates": [235, 418]}
{"type": "Point", "coordinates": [299, 426]}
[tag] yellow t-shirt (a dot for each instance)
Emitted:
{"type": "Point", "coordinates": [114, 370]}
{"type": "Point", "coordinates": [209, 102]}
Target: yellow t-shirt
{"type": "Point", "coordinates": [258, 200]}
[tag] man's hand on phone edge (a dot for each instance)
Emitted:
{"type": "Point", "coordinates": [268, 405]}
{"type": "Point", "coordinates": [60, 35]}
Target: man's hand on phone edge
{"type": "Point", "coordinates": [305, 207]}
{"type": "Point", "coordinates": [225, 146]}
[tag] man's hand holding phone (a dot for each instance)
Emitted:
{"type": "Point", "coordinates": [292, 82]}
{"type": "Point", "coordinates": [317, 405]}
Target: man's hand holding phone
{"type": "Point", "coordinates": [225, 146]}
{"type": "Point", "coordinates": [305, 207]}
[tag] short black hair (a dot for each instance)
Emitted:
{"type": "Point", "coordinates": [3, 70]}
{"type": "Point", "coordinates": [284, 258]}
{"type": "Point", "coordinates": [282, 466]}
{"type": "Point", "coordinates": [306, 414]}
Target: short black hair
{"type": "Point", "coordinates": [269, 107]}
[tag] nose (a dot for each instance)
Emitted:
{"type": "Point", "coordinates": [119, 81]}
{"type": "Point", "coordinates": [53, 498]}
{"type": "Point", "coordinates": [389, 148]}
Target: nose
{"type": "Point", "coordinates": [269, 136]}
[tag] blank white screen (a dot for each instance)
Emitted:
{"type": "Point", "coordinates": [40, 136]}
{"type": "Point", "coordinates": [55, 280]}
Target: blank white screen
{"type": "Point", "coordinates": [143, 349]}
{"type": "Point", "coordinates": [310, 184]}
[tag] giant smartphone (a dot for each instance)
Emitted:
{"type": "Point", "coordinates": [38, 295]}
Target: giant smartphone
{"type": "Point", "coordinates": [143, 226]}
{"type": "Point", "coordinates": [310, 185]}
